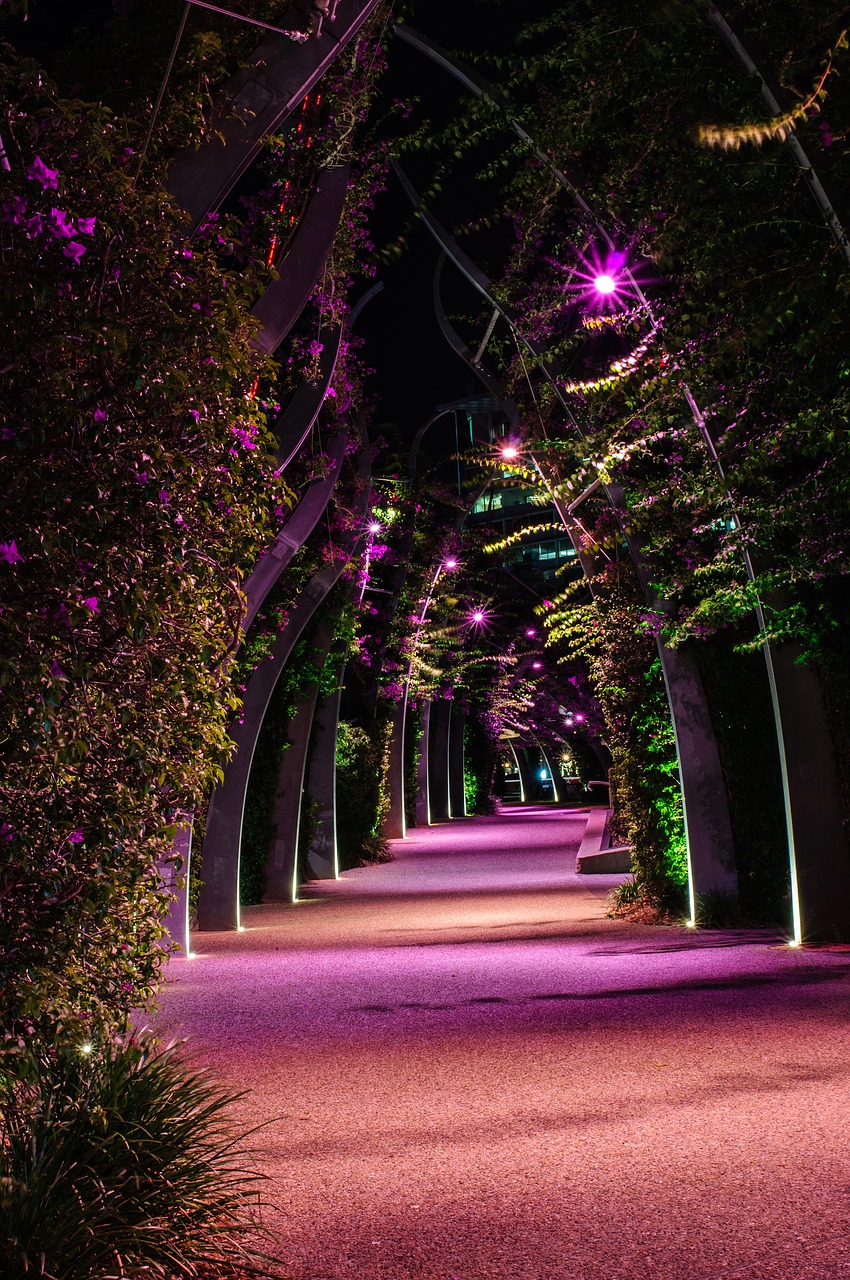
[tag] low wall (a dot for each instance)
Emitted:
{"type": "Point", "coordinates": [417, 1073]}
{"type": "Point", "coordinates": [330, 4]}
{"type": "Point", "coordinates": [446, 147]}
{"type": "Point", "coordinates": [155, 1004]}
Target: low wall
{"type": "Point", "coordinates": [595, 855]}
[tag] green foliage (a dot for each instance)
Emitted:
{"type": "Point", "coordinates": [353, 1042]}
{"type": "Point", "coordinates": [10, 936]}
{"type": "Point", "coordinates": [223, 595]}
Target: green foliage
{"type": "Point", "coordinates": [626, 672]}
{"type": "Point", "coordinates": [718, 909]}
{"type": "Point", "coordinates": [481, 760]}
{"type": "Point", "coordinates": [627, 894]}
{"type": "Point", "coordinates": [139, 490]}
{"type": "Point", "coordinates": [118, 1159]}
{"type": "Point", "coordinates": [746, 499]}
{"type": "Point", "coordinates": [360, 797]}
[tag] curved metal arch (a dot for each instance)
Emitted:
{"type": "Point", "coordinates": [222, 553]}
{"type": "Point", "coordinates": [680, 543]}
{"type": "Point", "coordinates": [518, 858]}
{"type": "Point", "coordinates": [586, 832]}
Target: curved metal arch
{"type": "Point", "coordinates": [218, 907]}
{"type": "Point", "coordinates": [258, 100]}
{"type": "Point", "coordinates": [791, 140]}
{"type": "Point", "coordinates": [295, 531]}
{"type": "Point", "coordinates": [820, 894]}
{"type": "Point", "coordinates": [708, 826]}
{"type": "Point", "coordinates": [283, 300]}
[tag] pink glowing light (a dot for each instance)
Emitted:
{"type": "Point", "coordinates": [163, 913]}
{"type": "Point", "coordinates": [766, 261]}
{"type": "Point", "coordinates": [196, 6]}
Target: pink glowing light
{"type": "Point", "coordinates": [478, 616]}
{"type": "Point", "coordinates": [537, 665]}
{"type": "Point", "coordinates": [509, 452]}
{"type": "Point", "coordinates": [374, 527]}
{"type": "Point", "coordinates": [451, 563]}
{"type": "Point", "coordinates": [605, 283]}
{"type": "Point", "coordinates": [531, 632]}
{"type": "Point", "coordinates": [579, 717]}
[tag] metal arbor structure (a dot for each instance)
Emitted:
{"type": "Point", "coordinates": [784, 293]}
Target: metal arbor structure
{"type": "Point", "coordinates": [818, 845]}
{"type": "Point", "coordinates": [256, 103]}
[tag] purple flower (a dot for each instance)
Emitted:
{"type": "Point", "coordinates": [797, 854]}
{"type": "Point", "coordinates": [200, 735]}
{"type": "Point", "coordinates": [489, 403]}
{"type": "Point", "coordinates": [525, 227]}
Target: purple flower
{"type": "Point", "coordinates": [34, 226]}
{"type": "Point", "coordinates": [245, 436]}
{"type": "Point", "coordinates": [10, 553]}
{"type": "Point", "coordinates": [14, 209]}
{"type": "Point", "coordinates": [193, 413]}
{"type": "Point", "coordinates": [85, 226]}
{"type": "Point", "coordinates": [56, 671]}
{"type": "Point", "coordinates": [163, 497]}
{"type": "Point", "coordinates": [99, 415]}
{"type": "Point", "coordinates": [39, 172]}
{"type": "Point", "coordinates": [90, 603]}
{"type": "Point", "coordinates": [60, 225]}
{"type": "Point", "coordinates": [73, 249]}
{"type": "Point", "coordinates": [76, 837]}
{"type": "Point", "coordinates": [6, 433]}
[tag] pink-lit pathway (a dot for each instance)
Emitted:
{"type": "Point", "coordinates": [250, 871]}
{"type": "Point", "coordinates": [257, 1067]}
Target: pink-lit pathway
{"type": "Point", "coordinates": [471, 1072]}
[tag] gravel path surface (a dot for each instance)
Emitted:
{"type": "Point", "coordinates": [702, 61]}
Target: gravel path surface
{"type": "Point", "coordinates": [471, 1072]}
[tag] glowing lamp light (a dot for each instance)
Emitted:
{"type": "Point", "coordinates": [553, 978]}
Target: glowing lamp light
{"type": "Point", "coordinates": [605, 283]}
{"type": "Point", "coordinates": [478, 616]}
{"type": "Point", "coordinates": [374, 527]}
{"type": "Point", "coordinates": [537, 665]}
{"type": "Point", "coordinates": [531, 632]}
{"type": "Point", "coordinates": [509, 452]}
{"type": "Point", "coordinates": [579, 716]}
{"type": "Point", "coordinates": [85, 1050]}
{"type": "Point", "coordinates": [451, 563]}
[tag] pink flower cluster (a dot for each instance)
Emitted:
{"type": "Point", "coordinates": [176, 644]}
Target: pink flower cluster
{"type": "Point", "coordinates": [57, 222]}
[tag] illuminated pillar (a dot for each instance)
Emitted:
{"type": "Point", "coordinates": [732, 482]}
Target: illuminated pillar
{"type": "Point", "coordinates": [558, 790]}
{"type": "Point", "coordinates": [526, 778]}
{"type": "Point", "coordinates": [175, 882]}
{"type": "Point", "coordinates": [394, 826]}
{"type": "Point", "coordinates": [282, 861]}
{"type": "Point", "coordinates": [457, 781]}
{"type": "Point", "coordinates": [423, 799]}
{"type": "Point", "coordinates": [322, 855]}
{"type": "Point", "coordinates": [218, 907]}
{"type": "Point", "coordinates": [819, 832]}
{"type": "Point", "coordinates": [439, 730]}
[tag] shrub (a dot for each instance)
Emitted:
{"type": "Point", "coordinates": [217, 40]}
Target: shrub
{"type": "Point", "coordinates": [718, 909]}
{"type": "Point", "coordinates": [139, 488]}
{"type": "Point", "coordinates": [116, 1160]}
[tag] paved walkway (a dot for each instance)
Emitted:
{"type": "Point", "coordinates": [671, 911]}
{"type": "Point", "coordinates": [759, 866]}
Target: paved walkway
{"type": "Point", "coordinates": [471, 1072]}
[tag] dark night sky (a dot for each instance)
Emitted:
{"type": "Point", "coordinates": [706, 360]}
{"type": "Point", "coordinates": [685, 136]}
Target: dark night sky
{"type": "Point", "coordinates": [416, 369]}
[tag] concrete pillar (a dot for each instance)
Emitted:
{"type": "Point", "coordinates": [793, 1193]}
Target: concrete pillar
{"type": "Point", "coordinates": [821, 853]}
{"type": "Point", "coordinates": [394, 825]}
{"type": "Point", "coordinates": [711, 855]}
{"type": "Point", "coordinates": [218, 907]}
{"type": "Point", "coordinates": [255, 103]}
{"type": "Point", "coordinates": [457, 780]}
{"type": "Point", "coordinates": [321, 784]}
{"type": "Point", "coordinates": [438, 760]}
{"type": "Point", "coordinates": [423, 799]}
{"type": "Point", "coordinates": [175, 882]}
{"type": "Point", "coordinates": [550, 760]}
{"type": "Point", "coordinates": [708, 827]}
{"type": "Point", "coordinates": [526, 781]}
{"type": "Point", "coordinates": [282, 861]}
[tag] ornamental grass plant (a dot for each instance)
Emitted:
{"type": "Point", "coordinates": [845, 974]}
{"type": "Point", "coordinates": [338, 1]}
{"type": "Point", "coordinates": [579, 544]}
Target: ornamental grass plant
{"type": "Point", "coordinates": [120, 1160]}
